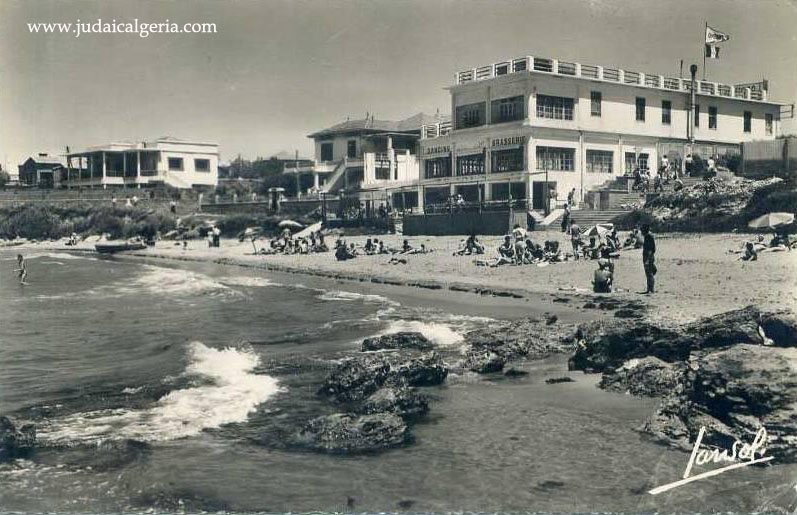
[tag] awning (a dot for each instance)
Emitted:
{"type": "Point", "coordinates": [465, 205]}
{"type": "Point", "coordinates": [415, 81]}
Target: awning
{"type": "Point", "coordinates": [437, 155]}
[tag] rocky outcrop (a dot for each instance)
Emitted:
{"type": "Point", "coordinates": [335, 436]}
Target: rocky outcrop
{"type": "Point", "coordinates": [605, 346]}
{"type": "Point", "coordinates": [484, 361]}
{"type": "Point", "coordinates": [401, 400]}
{"type": "Point", "coordinates": [400, 340]}
{"type": "Point", "coordinates": [355, 379]}
{"type": "Point", "coordinates": [532, 338]}
{"type": "Point", "coordinates": [16, 442]}
{"type": "Point", "coordinates": [731, 374]}
{"type": "Point", "coordinates": [425, 370]}
{"type": "Point", "coordinates": [644, 377]}
{"type": "Point", "coordinates": [733, 393]}
{"type": "Point", "coordinates": [350, 433]}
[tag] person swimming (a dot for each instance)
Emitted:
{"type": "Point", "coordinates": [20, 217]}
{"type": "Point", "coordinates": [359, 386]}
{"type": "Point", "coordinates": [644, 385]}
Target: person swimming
{"type": "Point", "coordinates": [22, 271]}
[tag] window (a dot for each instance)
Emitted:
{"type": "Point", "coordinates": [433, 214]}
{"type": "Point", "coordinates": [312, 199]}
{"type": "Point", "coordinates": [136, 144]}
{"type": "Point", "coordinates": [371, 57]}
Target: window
{"type": "Point", "coordinates": [666, 112]}
{"type": "Point", "coordinates": [640, 109]}
{"type": "Point", "coordinates": [556, 159]}
{"type": "Point", "coordinates": [712, 117]}
{"type": "Point", "coordinates": [470, 165]}
{"type": "Point", "coordinates": [748, 121]}
{"type": "Point", "coordinates": [175, 163]}
{"type": "Point", "coordinates": [633, 160]}
{"type": "Point", "coordinates": [600, 161]}
{"type": "Point", "coordinates": [471, 115]}
{"type": "Point", "coordinates": [697, 115]}
{"type": "Point", "coordinates": [202, 165]}
{"type": "Point", "coordinates": [507, 109]}
{"type": "Point", "coordinates": [557, 108]}
{"type": "Point", "coordinates": [326, 151]}
{"type": "Point", "coordinates": [351, 148]}
{"type": "Point", "coordinates": [595, 98]}
{"type": "Point", "coordinates": [439, 167]}
{"type": "Point", "coordinates": [768, 121]}
{"type": "Point", "coordinates": [507, 160]}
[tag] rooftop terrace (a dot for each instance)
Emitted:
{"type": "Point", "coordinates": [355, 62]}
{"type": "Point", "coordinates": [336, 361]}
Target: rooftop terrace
{"type": "Point", "coordinates": [548, 66]}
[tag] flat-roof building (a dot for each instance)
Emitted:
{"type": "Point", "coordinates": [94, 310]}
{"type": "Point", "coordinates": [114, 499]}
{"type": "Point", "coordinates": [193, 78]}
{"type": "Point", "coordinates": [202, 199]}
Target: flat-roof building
{"type": "Point", "coordinates": [531, 126]}
{"type": "Point", "coordinates": [175, 162]}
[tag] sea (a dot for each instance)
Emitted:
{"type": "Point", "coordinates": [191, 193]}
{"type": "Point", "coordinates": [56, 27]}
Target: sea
{"type": "Point", "coordinates": [160, 386]}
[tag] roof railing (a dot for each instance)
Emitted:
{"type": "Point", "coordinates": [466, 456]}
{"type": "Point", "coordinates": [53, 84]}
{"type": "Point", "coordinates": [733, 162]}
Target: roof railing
{"type": "Point", "coordinates": [600, 73]}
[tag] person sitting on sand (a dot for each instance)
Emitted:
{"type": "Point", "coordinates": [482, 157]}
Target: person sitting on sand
{"type": "Point", "coordinates": [421, 250]}
{"type": "Point", "coordinates": [342, 253]}
{"type": "Point", "coordinates": [603, 277]}
{"type": "Point", "coordinates": [595, 248]}
{"type": "Point", "coordinates": [472, 245]}
{"type": "Point", "coordinates": [406, 247]}
{"type": "Point", "coordinates": [381, 249]}
{"type": "Point", "coordinates": [750, 253]}
{"type": "Point", "coordinates": [369, 247]}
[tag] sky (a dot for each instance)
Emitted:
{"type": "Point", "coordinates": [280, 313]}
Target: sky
{"type": "Point", "coordinates": [277, 70]}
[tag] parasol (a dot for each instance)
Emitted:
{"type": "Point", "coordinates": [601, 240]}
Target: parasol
{"type": "Point", "coordinates": [771, 220]}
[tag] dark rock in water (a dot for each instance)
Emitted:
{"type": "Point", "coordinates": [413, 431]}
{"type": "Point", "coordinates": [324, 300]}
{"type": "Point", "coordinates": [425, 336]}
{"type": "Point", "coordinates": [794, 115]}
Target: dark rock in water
{"type": "Point", "coordinates": [551, 319]}
{"type": "Point", "coordinates": [484, 361]}
{"type": "Point", "coordinates": [349, 433]}
{"type": "Point", "coordinates": [557, 380]}
{"type": "Point", "coordinates": [627, 313]}
{"type": "Point", "coordinates": [425, 370]}
{"type": "Point", "coordinates": [550, 484]}
{"type": "Point", "coordinates": [512, 340]}
{"type": "Point", "coordinates": [645, 377]}
{"type": "Point", "coordinates": [725, 329]}
{"type": "Point", "coordinates": [406, 504]}
{"type": "Point", "coordinates": [733, 393]}
{"type": "Point", "coordinates": [513, 372]}
{"type": "Point", "coordinates": [355, 379]}
{"type": "Point", "coordinates": [400, 340]}
{"type": "Point", "coordinates": [401, 400]}
{"type": "Point", "coordinates": [620, 341]}
{"type": "Point", "coordinates": [16, 442]}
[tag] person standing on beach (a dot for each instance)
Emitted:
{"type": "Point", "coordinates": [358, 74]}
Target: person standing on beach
{"type": "Point", "coordinates": [649, 258]}
{"type": "Point", "coordinates": [22, 271]}
{"type": "Point", "coordinates": [575, 237]}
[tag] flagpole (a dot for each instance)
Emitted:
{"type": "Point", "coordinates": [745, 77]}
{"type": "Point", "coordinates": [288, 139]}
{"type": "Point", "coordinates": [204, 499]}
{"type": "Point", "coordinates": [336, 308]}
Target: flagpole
{"type": "Point", "coordinates": [704, 51]}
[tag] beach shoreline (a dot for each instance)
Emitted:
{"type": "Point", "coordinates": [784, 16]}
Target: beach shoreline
{"type": "Point", "coordinates": [697, 275]}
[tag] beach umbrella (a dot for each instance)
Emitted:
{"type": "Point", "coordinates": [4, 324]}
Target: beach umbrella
{"type": "Point", "coordinates": [599, 230]}
{"type": "Point", "coordinates": [290, 224]}
{"type": "Point", "coordinates": [771, 220]}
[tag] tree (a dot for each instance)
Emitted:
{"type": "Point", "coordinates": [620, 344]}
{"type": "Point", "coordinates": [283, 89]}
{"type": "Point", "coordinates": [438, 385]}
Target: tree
{"type": "Point", "coordinates": [4, 178]}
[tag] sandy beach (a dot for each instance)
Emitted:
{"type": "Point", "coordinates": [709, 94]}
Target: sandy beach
{"type": "Point", "coordinates": [697, 276]}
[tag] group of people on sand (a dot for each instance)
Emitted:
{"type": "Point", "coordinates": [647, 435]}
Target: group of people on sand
{"type": "Point", "coordinates": [781, 241]}
{"type": "Point", "coordinates": [375, 246]}
{"type": "Point", "coordinates": [518, 248]}
{"type": "Point", "coordinates": [287, 244]}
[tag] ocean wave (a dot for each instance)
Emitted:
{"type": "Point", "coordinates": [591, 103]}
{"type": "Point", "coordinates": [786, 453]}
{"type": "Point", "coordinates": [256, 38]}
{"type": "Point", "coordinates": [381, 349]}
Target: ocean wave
{"type": "Point", "coordinates": [157, 279]}
{"type": "Point", "coordinates": [247, 281]}
{"type": "Point", "coordinates": [438, 333]}
{"type": "Point", "coordinates": [348, 296]}
{"type": "Point", "coordinates": [231, 393]}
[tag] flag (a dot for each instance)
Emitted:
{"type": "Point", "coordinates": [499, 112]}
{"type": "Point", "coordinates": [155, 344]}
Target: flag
{"type": "Point", "coordinates": [712, 51]}
{"type": "Point", "coordinates": [715, 36]}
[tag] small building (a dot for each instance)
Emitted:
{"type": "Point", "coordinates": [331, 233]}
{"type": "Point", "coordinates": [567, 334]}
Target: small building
{"type": "Point", "coordinates": [42, 170]}
{"type": "Point", "coordinates": [171, 161]}
{"type": "Point", "coordinates": [374, 160]}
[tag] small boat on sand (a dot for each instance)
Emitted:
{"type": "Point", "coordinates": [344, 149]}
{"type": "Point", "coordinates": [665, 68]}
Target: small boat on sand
{"type": "Point", "coordinates": [109, 247]}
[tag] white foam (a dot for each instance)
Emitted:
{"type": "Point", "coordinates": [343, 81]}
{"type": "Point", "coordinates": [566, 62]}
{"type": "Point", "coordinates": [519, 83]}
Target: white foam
{"type": "Point", "coordinates": [174, 281]}
{"type": "Point", "coordinates": [440, 334]}
{"type": "Point", "coordinates": [233, 393]}
{"type": "Point", "coordinates": [348, 296]}
{"type": "Point", "coordinates": [248, 281]}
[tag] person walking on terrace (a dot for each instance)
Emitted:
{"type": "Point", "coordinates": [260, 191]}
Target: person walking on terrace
{"type": "Point", "coordinates": [649, 258]}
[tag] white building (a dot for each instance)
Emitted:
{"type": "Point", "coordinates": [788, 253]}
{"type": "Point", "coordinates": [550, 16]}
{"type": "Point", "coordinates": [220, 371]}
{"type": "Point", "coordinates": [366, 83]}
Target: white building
{"type": "Point", "coordinates": [367, 158]}
{"type": "Point", "coordinates": [525, 121]}
{"type": "Point", "coordinates": [175, 162]}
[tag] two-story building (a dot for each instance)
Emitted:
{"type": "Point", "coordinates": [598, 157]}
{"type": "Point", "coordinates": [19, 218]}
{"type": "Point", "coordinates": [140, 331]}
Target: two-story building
{"type": "Point", "coordinates": [536, 128]}
{"type": "Point", "coordinates": [366, 157]}
{"type": "Point", "coordinates": [179, 163]}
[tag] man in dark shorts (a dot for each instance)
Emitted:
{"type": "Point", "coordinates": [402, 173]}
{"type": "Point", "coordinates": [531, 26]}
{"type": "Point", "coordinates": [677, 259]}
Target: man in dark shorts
{"type": "Point", "coordinates": [649, 258]}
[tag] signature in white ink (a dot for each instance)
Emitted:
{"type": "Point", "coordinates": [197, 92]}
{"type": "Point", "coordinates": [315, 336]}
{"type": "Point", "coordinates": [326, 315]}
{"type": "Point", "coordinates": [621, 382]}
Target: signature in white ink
{"type": "Point", "coordinates": [740, 455]}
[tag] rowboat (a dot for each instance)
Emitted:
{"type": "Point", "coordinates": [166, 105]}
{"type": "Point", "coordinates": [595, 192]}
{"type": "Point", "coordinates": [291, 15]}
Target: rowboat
{"type": "Point", "coordinates": [118, 246]}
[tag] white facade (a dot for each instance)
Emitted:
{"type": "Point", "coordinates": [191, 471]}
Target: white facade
{"type": "Point", "coordinates": [178, 163]}
{"type": "Point", "coordinates": [530, 121]}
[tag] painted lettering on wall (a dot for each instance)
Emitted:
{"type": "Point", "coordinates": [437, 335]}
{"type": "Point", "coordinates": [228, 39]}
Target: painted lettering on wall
{"type": "Point", "coordinates": [511, 140]}
{"type": "Point", "coordinates": [440, 149]}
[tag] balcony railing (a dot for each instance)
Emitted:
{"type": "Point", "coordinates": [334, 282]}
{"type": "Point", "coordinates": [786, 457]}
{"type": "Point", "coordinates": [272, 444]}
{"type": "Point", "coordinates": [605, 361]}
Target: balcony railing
{"type": "Point", "coordinates": [588, 71]}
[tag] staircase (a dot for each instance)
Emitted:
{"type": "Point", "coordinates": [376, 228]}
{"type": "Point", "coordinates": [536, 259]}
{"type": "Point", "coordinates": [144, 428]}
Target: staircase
{"type": "Point", "coordinates": [337, 174]}
{"type": "Point", "coordinates": [588, 217]}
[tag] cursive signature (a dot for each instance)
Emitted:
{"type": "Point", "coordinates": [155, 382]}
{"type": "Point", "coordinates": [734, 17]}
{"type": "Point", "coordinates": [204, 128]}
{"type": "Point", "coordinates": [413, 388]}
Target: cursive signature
{"type": "Point", "coordinates": [746, 452]}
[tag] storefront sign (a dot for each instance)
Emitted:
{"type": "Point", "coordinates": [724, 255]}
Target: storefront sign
{"type": "Point", "coordinates": [440, 149]}
{"type": "Point", "coordinates": [508, 141]}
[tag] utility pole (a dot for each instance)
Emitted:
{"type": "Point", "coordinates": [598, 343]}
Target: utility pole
{"type": "Point", "coordinates": [296, 169]}
{"type": "Point", "coordinates": [691, 132]}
